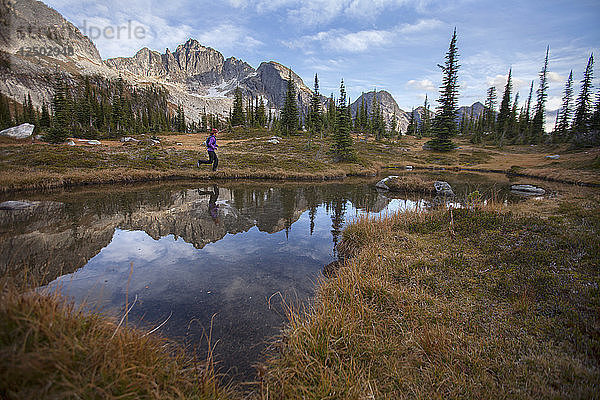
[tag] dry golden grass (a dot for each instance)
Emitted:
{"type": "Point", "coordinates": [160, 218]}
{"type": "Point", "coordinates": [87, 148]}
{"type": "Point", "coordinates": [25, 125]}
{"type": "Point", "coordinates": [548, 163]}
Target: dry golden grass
{"type": "Point", "coordinates": [50, 349]}
{"type": "Point", "coordinates": [469, 303]}
{"type": "Point", "coordinates": [246, 154]}
{"type": "Point", "coordinates": [411, 183]}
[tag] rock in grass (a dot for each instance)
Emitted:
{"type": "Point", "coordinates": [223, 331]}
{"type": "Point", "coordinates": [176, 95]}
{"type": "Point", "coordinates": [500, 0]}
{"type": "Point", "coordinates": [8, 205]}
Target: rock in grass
{"type": "Point", "coordinates": [19, 132]}
{"type": "Point", "coordinates": [15, 205]}
{"type": "Point", "coordinates": [527, 190]}
{"type": "Point", "coordinates": [553, 157]}
{"type": "Point", "coordinates": [382, 183]}
{"type": "Point", "coordinates": [443, 188]}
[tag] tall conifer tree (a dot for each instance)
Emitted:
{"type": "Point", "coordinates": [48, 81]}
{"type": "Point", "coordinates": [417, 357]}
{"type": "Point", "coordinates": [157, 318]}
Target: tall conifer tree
{"type": "Point", "coordinates": [445, 121]}
{"type": "Point", "coordinates": [289, 115]}
{"type": "Point", "coordinates": [583, 110]}
{"type": "Point", "coordinates": [566, 111]}
{"type": "Point", "coordinates": [503, 122]}
{"type": "Point", "coordinates": [342, 140]}
{"type": "Point", "coordinates": [537, 124]}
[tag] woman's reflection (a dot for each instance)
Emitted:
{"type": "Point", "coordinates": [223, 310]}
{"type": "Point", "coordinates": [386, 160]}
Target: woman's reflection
{"type": "Point", "coordinates": [213, 207]}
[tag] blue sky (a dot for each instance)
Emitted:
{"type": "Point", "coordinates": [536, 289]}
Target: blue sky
{"type": "Point", "coordinates": [384, 44]}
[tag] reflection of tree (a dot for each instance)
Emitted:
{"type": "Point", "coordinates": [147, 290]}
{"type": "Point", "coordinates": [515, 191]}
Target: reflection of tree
{"type": "Point", "coordinates": [288, 203]}
{"type": "Point", "coordinates": [338, 208]}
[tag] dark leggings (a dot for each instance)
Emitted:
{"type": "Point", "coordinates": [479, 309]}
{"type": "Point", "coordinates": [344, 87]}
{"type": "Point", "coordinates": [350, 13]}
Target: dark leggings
{"type": "Point", "coordinates": [212, 159]}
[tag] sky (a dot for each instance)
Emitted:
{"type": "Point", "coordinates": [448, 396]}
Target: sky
{"type": "Point", "coordinates": [393, 45]}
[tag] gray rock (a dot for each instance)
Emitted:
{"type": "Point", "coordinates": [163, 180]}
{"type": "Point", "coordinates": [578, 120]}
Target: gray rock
{"type": "Point", "coordinates": [443, 188]}
{"type": "Point", "coordinates": [273, 141]}
{"type": "Point", "coordinates": [128, 139]}
{"type": "Point", "coordinates": [71, 143]}
{"type": "Point", "coordinates": [409, 167]}
{"type": "Point", "coordinates": [382, 183]}
{"type": "Point", "coordinates": [553, 157]}
{"type": "Point", "coordinates": [527, 190]}
{"type": "Point", "coordinates": [93, 142]}
{"type": "Point", "coordinates": [15, 205]}
{"type": "Point", "coordinates": [19, 132]}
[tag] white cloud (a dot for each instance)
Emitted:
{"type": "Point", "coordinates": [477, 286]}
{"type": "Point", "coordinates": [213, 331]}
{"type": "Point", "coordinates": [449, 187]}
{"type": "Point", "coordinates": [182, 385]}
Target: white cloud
{"type": "Point", "coordinates": [423, 85]}
{"type": "Point", "coordinates": [227, 36]}
{"type": "Point", "coordinates": [356, 42]}
{"type": "Point", "coordinates": [555, 77]}
{"type": "Point", "coordinates": [499, 82]}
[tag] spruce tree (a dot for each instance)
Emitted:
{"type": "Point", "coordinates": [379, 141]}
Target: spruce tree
{"type": "Point", "coordinates": [525, 119]}
{"type": "Point", "coordinates": [315, 115]}
{"type": "Point", "coordinates": [411, 128]}
{"type": "Point", "coordinates": [289, 115]}
{"type": "Point", "coordinates": [583, 109]}
{"type": "Point", "coordinates": [58, 132]}
{"type": "Point", "coordinates": [503, 121]}
{"type": "Point", "coordinates": [490, 110]}
{"type": "Point", "coordinates": [237, 116]}
{"type": "Point", "coordinates": [445, 121]}
{"type": "Point", "coordinates": [261, 113]}
{"type": "Point", "coordinates": [595, 121]}
{"type": "Point", "coordinates": [537, 124]}
{"type": "Point", "coordinates": [566, 110]}
{"type": "Point", "coordinates": [426, 122]}
{"type": "Point", "coordinates": [342, 140]}
{"type": "Point", "coordinates": [5, 117]}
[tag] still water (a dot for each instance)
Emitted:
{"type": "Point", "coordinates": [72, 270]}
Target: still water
{"type": "Point", "coordinates": [209, 259]}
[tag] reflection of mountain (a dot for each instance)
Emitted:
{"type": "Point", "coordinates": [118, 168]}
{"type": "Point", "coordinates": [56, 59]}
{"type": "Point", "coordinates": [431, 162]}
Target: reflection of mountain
{"type": "Point", "coordinates": [51, 238]}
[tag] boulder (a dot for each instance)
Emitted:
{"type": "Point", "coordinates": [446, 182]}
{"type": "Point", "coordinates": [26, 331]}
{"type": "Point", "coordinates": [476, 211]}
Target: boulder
{"type": "Point", "coordinates": [382, 183]}
{"type": "Point", "coordinates": [273, 141]}
{"type": "Point", "coordinates": [527, 190]}
{"type": "Point", "coordinates": [409, 167]}
{"type": "Point", "coordinates": [553, 157]}
{"type": "Point", "coordinates": [127, 139]}
{"type": "Point", "coordinates": [15, 205]}
{"type": "Point", "coordinates": [19, 132]}
{"type": "Point", "coordinates": [71, 143]}
{"type": "Point", "coordinates": [443, 188]}
{"type": "Point", "coordinates": [94, 142]}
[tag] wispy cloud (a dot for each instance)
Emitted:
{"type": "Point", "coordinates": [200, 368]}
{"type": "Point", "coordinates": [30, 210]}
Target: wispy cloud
{"type": "Point", "coordinates": [341, 40]}
{"type": "Point", "coordinates": [423, 85]}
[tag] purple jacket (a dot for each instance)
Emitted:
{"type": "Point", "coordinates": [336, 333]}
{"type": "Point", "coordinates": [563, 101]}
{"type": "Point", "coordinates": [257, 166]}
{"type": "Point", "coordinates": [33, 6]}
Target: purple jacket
{"type": "Point", "coordinates": [212, 143]}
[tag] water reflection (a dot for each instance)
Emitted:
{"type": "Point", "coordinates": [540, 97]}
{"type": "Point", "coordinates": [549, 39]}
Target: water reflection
{"type": "Point", "coordinates": [201, 254]}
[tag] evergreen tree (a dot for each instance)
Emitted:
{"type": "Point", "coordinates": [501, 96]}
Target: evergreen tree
{"type": "Point", "coordinates": [5, 117]}
{"type": "Point", "coordinates": [411, 128]}
{"type": "Point", "coordinates": [261, 115]}
{"type": "Point", "coordinates": [537, 124]}
{"type": "Point", "coordinates": [426, 122]}
{"type": "Point", "coordinates": [445, 122]}
{"type": "Point", "coordinates": [58, 132]}
{"type": "Point", "coordinates": [331, 115]}
{"type": "Point", "coordinates": [583, 109]}
{"type": "Point", "coordinates": [342, 140]}
{"type": "Point", "coordinates": [490, 110]}
{"type": "Point", "coordinates": [525, 118]}
{"type": "Point", "coordinates": [595, 121]}
{"type": "Point", "coordinates": [237, 116]}
{"type": "Point", "coordinates": [394, 127]}
{"type": "Point", "coordinates": [566, 110]}
{"type": "Point", "coordinates": [503, 121]}
{"type": "Point", "coordinates": [45, 117]}
{"type": "Point", "coordinates": [315, 115]}
{"type": "Point", "coordinates": [513, 124]}
{"type": "Point", "coordinates": [289, 115]}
